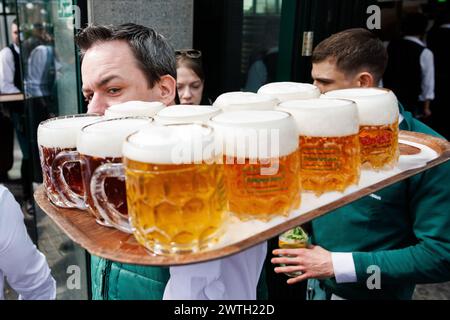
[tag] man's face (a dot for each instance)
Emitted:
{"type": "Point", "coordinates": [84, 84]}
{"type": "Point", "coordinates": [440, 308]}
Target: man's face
{"type": "Point", "coordinates": [15, 33]}
{"type": "Point", "coordinates": [111, 76]}
{"type": "Point", "coordinates": [328, 77]}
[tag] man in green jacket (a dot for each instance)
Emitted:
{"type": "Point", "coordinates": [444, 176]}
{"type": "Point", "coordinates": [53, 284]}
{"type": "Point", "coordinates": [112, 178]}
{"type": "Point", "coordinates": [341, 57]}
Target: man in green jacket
{"type": "Point", "coordinates": [130, 62]}
{"type": "Point", "coordinates": [381, 246]}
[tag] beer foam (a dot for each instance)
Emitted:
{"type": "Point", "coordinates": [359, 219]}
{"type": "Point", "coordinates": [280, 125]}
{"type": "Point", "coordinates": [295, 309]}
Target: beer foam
{"type": "Point", "coordinates": [238, 100]}
{"type": "Point", "coordinates": [376, 106]}
{"type": "Point", "coordinates": [323, 117]}
{"type": "Point", "coordinates": [286, 91]}
{"type": "Point", "coordinates": [186, 114]}
{"type": "Point", "coordinates": [134, 109]}
{"type": "Point", "coordinates": [171, 144]}
{"type": "Point", "coordinates": [104, 139]}
{"type": "Point", "coordinates": [256, 134]}
{"type": "Point", "coordinates": [61, 132]}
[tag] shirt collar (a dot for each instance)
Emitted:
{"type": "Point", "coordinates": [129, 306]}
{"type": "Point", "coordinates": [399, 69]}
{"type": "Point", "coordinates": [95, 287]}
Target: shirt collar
{"type": "Point", "coordinates": [16, 47]}
{"type": "Point", "coordinates": [415, 39]}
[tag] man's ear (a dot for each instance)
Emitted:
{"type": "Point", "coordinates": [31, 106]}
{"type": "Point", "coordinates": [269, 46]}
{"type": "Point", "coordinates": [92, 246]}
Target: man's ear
{"type": "Point", "coordinates": [167, 87]}
{"type": "Point", "coordinates": [365, 80]}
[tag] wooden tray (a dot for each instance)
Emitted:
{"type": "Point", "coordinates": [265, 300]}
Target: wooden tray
{"type": "Point", "coordinates": [117, 246]}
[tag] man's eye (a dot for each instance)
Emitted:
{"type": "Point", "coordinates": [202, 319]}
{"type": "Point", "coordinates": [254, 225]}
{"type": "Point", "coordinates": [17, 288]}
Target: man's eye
{"type": "Point", "coordinates": [113, 90]}
{"type": "Point", "coordinates": [88, 98]}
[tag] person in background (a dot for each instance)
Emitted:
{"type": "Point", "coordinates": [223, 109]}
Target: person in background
{"type": "Point", "coordinates": [403, 229]}
{"type": "Point", "coordinates": [190, 76]}
{"type": "Point", "coordinates": [22, 264]}
{"type": "Point", "coordinates": [410, 68]}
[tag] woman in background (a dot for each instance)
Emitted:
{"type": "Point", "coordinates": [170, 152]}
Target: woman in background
{"type": "Point", "coordinates": [190, 76]}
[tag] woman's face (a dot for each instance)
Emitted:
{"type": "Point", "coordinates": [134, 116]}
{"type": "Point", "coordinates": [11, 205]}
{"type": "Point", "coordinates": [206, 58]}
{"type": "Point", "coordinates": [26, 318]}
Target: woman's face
{"type": "Point", "coordinates": [189, 86]}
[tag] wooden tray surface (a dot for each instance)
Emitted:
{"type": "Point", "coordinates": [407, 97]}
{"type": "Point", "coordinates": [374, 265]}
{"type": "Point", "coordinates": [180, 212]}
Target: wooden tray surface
{"type": "Point", "coordinates": [115, 245]}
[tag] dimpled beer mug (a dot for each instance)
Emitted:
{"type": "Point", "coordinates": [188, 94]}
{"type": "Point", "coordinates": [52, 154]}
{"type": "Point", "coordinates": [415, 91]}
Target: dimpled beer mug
{"type": "Point", "coordinates": [54, 136]}
{"type": "Point", "coordinates": [378, 119]}
{"type": "Point", "coordinates": [134, 109]}
{"type": "Point", "coordinates": [186, 114]}
{"type": "Point", "coordinates": [175, 192]}
{"type": "Point", "coordinates": [100, 143]}
{"type": "Point", "coordinates": [329, 145]}
{"type": "Point", "coordinates": [286, 91]}
{"type": "Point", "coordinates": [261, 161]}
{"type": "Point", "coordinates": [238, 101]}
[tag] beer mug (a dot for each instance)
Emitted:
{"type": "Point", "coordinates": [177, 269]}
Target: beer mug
{"type": "Point", "coordinates": [238, 101]}
{"type": "Point", "coordinates": [329, 145]}
{"type": "Point", "coordinates": [293, 239]}
{"type": "Point", "coordinates": [261, 161]}
{"type": "Point", "coordinates": [97, 144]}
{"type": "Point", "coordinates": [186, 114]}
{"type": "Point", "coordinates": [378, 118]}
{"type": "Point", "coordinates": [54, 136]}
{"type": "Point", "coordinates": [175, 191]}
{"type": "Point", "coordinates": [134, 109]}
{"type": "Point", "coordinates": [286, 91]}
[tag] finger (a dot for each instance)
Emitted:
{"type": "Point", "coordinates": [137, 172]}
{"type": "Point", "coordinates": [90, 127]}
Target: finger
{"type": "Point", "coordinates": [286, 260]}
{"type": "Point", "coordinates": [288, 252]}
{"type": "Point", "coordinates": [288, 269]}
{"type": "Point", "coordinates": [298, 279]}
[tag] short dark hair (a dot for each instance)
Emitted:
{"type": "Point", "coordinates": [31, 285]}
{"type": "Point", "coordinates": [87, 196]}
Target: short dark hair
{"type": "Point", "coordinates": [153, 53]}
{"type": "Point", "coordinates": [14, 22]}
{"type": "Point", "coordinates": [354, 50]}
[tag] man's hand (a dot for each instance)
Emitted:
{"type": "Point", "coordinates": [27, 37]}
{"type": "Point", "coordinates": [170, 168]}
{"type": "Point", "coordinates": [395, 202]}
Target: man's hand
{"type": "Point", "coordinates": [314, 262]}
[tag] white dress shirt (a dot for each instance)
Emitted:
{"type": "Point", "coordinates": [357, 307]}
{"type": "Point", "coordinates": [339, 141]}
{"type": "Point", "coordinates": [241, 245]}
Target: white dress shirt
{"type": "Point", "coordinates": [230, 278]}
{"type": "Point", "coordinates": [7, 70]}
{"type": "Point", "coordinates": [427, 67]}
{"type": "Point", "coordinates": [24, 267]}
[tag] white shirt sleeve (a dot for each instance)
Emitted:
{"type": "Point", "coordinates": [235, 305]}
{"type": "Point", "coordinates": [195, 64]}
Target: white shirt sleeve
{"type": "Point", "coordinates": [25, 268]}
{"type": "Point", "coordinates": [344, 267]}
{"type": "Point", "coordinates": [231, 278]}
{"type": "Point", "coordinates": [7, 70]}
{"type": "Point", "coordinates": [427, 67]}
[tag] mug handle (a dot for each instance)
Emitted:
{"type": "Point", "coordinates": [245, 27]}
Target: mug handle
{"type": "Point", "coordinates": [71, 198]}
{"type": "Point", "coordinates": [106, 210]}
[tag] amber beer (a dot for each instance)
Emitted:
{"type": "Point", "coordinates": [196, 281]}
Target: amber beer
{"type": "Point", "coordinates": [176, 205]}
{"type": "Point", "coordinates": [329, 146]}
{"type": "Point", "coordinates": [54, 136]}
{"type": "Point", "coordinates": [186, 114]}
{"type": "Point", "coordinates": [97, 144]}
{"type": "Point", "coordinates": [378, 133]}
{"type": "Point", "coordinates": [261, 162]}
{"type": "Point", "coordinates": [134, 109]}
{"type": "Point", "coordinates": [287, 91]}
{"type": "Point", "coordinates": [239, 101]}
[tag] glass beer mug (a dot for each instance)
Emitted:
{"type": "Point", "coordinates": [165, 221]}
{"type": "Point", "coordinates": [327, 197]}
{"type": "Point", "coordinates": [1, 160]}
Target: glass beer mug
{"type": "Point", "coordinates": [293, 239]}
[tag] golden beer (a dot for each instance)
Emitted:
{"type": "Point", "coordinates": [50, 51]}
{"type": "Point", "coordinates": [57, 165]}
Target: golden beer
{"type": "Point", "coordinates": [251, 194]}
{"type": "Point", "coordinates": [329, 146]}
{"type": "Point", "coordinates": [379, 145]}
{"type": "Point", "coordinates": [182, 205]}
{"type": "Point", "coordinates": [329, 163]}
{"type": "Point", "coordinates": [378, 133]}
{"type": "Point", "coordinates": [261, 162]}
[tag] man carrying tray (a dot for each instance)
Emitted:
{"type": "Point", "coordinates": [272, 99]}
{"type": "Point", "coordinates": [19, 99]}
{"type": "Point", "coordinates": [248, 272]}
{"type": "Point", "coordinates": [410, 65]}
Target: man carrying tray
{"type": "Point", "coordinates": [127, 63]}
{"type": "Point", "coordinates": [381, 246]}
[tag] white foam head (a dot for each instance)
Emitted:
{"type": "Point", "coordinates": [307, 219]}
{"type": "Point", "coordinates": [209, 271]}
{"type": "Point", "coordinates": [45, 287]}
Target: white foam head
{"type": "Point", "coordinates": [134, 109]}
{"type": "Point", "coordinates": [62, 132]}
{"type": "Point", "coordinates": [238, 100]}
{"type": "Point", "coordinates": [285, 91]}
{"type": "Point", "coordinates": [104, 139]}
{"type": "Point", "coordinates": [171, 144]}
{"type": "Point", "coordinates": [186, 114]}
{"type": "Point", "coordinates": [256, 134]}
{"type": "Point", "coordinates": [323, 117]}
{"type": "Point", "coordinates": [376, 106]}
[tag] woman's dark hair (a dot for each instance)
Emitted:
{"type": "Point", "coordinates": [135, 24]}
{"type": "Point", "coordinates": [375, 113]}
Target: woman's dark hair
{"type": "Point", "coordinates": [195, 64]}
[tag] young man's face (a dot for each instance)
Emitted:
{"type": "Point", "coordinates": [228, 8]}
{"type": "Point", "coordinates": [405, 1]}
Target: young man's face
{"type": "Point", "coordinates": [328, 77]}
{"type": "Point", "coordinates": [15, 33]}
{"type": "Point", "coordinates": [111, 76]}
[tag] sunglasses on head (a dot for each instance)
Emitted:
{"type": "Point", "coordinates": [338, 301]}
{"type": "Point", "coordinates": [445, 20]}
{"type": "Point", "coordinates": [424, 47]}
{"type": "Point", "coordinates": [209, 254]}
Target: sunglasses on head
{"type": "Point", "coordinates": [191, 53]}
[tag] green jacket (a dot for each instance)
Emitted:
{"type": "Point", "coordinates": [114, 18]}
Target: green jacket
{"type": "Point", "coordinates": [404, 230]}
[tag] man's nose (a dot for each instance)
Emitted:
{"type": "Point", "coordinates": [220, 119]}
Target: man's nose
{"type": "Point", "coordinates": [97, 105]}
